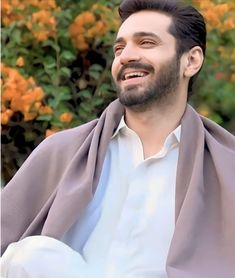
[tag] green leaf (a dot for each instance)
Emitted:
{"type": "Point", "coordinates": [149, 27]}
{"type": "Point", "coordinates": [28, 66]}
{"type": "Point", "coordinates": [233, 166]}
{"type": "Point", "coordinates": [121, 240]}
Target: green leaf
{"type": "Point", "coordinates": [85, 107]}
{"type": "Point", "coordinates": [104, 88]}
{"type": "Point", "coordinates": [29, 136]}
{"type": "Point", "coordinates": [95, 75]}
{"type": "Point", "coordinates": [97, 101]}
{"type": "Point", "coordinates": [54, 102]}
{"type": "Point", "coordinates": [67, 55]}
{"type": "Point", "coordinates": [66, 72]}
{"type": "Point", "coordinates": [85, 94]}
{"type": "Point", "coordinates": [96, 67]}
{"type": "Point", "coordinates": [48, 88]}
{"type": "Point", "coordinates": [52, 44]}
{"type": "Point", "coordinates": [63, 97]}
{"type": "Point", "coordinates": [63, 90]}
{"type": "Point", "coordinates": [95, 71]}
{"type": "Point", "coordinates": [49, 62]}
{"type": "Point", "coordinates": [45, 117]}
{"type": "Point", "coordinates": [16, 36]}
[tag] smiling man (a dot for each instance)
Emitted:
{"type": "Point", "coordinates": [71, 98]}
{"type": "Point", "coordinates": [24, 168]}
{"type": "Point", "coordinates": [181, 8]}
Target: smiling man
{"type": "Point", "coordinates": [146, 65]}
{"type": "Point", "coordinates": [146, 190]}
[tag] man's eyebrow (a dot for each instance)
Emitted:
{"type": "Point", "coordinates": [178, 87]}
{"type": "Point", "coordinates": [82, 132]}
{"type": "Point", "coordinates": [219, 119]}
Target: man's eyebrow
{"type": "Point", "coordinates": [147, 34]}
{"type": "Point", "coordinates": [137, 35]}
{"type": "Point", "coordinates": [118, 40]}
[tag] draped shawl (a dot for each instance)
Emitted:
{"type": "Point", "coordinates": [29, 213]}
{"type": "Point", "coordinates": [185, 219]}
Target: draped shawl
{"type": "Point", "coordinates": [54, 186]}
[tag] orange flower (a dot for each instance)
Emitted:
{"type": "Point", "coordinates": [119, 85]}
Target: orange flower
{"type": "Point", "coordinates": [87, 17]}
{"type": "Point", "coordinates": [228, 24]}
{"type": "Point", "coordinates": [21, 95]}
{"type": "Point", "coordinates": [6, 7]}
{"type": "Point", "coordinates": [11, 14]}
{"type": "Point", "coordinates": [212, 18]}
{"type": "Point", "coordinates": [20, 61]}
{"type": "Point", "coordinates": [3, 107]}
{"type": "Point", "coordinates": [31, 81]}
{"type": "Point", "coordinates": [98, 29]}
{"type": "Point", "coordinates": [43, 4]}
{"type": "Point", "coordinates": [8, 94]}
{"type": "Point", "coordinates": [79, 27]}
{"type": "Point", "coordinates": [29, 116]}
{"type": "Point", "coordinates": [233, 77]}
{"type": "Point", "coordinates": [6, 116]}
{"type": "Point", "coordinates": [81, 44]}
{"type": "Point", "coordinates": [204, 111]}
{"type": "Point", "coordinates": [19, 104]}
{"type": "Point", "coordinates": [91, 24]}
{"type": "Point", "coordinates": [220, 76]}
{"type": "Point", "coordinates": [42, 25]}
{"type": "Point", "coordinates": [231, 5]}
{"type": "Point", "coordinates": [76, 29]}
{"type": "Point", "coordinates": [218, 16]}
{"type": "Point", "coordinates": [38, 93]}
{"type": "Point", "coordinates": [66, 117]}
{"type": "Point", "coordinates": [51, 131]}
{"type": "Point", "coordinates": [205, 4]}
{"type": "Point", "coordinates": [233, 55]}
{"type": "Point", "coordinates": [45, 110]}
{"type": "Point", "coordinates": [221, 9]}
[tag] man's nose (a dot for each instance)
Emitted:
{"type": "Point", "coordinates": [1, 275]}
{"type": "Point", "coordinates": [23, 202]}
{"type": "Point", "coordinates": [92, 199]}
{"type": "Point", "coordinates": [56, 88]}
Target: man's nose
{"type": "Point", "coordinates": [129, 54]}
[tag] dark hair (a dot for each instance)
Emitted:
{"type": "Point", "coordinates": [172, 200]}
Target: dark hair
{"type": "Point", "coordinates": [188, 28]}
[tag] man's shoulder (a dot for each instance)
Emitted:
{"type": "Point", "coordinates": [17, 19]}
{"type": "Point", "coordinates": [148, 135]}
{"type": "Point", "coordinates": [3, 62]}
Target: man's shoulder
{"type": "Point", "coordinates": [75, 135]}
{"type": "Point", "coordinates": [218, 133]}
{"type": "Point", "coordinates": [63, 143]}
{"type": "Point", "coordinates": [199, 124]}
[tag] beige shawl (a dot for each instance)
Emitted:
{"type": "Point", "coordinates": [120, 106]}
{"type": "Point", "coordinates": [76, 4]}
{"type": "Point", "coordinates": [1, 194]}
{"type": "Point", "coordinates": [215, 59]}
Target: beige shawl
{"type": "Point", "coordinates": [53, 187]}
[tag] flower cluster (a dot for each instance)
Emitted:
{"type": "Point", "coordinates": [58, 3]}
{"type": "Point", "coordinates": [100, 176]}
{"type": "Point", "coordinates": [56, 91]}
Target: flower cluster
{"type": "Point", "coordinates": [41, 22]}
{"type": "Point", "coordinates": [20, 94]}
{"type": "Point", "coordinates": [91, 24]}
{"type": "Point", "coordinates": [218, 16]}
{"type": "Point", "coordinates": [42, 25]}
{"type": "Point", "coordinates": [10, 13]}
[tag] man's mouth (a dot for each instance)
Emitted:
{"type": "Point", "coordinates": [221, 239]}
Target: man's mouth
{"type": "Point", "coordinates": [134, 71]}
{"type": "Point", "coordinates": [134, 74]}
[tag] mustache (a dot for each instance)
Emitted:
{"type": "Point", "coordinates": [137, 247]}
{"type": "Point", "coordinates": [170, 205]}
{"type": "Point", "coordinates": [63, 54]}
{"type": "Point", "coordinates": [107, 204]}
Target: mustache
{"type": "Point", "coordinates": [134, 65]}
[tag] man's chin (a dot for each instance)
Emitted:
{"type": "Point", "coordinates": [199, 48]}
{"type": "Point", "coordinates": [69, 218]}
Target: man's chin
{"type": "Point", "coordinates": [136, 106]}
{"type": "Point", "coordinates": [134, 102]}
{"type": "Point", "coordinates": [130, 88]}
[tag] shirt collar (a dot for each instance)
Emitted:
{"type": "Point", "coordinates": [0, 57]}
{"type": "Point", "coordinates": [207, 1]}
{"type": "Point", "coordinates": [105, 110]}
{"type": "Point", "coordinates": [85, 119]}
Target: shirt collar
{"type": "Point", "coordinates": [122, 125]}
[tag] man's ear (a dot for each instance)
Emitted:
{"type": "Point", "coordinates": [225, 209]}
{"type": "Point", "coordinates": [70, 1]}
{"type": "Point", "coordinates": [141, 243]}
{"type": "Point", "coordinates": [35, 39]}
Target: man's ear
{"type": "Point", "coordinates": [193, 62]}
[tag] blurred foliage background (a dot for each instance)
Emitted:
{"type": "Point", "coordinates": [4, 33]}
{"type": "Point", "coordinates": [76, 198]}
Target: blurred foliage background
{"type": "Point", "coordinates": [55, 70]}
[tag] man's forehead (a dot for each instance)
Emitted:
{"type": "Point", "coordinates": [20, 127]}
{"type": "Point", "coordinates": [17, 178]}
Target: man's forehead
{"type": "Point", "coordinates": [145, 21]}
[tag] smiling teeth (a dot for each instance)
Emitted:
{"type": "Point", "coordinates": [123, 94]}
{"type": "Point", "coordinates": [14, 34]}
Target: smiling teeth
{"type": "Point", "coordinates": [134, 74]}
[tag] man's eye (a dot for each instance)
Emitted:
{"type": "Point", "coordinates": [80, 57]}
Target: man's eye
{"type": "Point", "coordinates": [118, 50]}
{"type": "Point", "coordinates": [147, 42]}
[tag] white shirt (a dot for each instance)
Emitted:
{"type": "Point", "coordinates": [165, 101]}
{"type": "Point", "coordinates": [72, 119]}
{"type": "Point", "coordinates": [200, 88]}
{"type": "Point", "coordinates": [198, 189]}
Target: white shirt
{"type": "Point", "coordinates": [127, 228]}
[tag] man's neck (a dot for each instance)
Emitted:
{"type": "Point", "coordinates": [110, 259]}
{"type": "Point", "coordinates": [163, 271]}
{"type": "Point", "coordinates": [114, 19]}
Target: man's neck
{"type": "Point", "coordinates": [154, 125]}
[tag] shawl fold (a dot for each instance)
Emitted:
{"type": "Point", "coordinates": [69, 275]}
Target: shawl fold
{"type": "Point", "coordinates": [55, 184]}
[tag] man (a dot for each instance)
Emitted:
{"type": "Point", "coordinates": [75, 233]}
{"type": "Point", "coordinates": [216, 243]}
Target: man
{"type": "Point", "coordinates": [148, 189]}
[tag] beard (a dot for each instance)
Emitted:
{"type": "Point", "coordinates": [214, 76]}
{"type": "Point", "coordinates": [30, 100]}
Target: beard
{"type": "Point", "coordinates": [162, 86]}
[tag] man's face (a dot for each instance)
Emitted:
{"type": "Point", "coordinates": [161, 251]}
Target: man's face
{"type": "Point", "coordinates": [145, 68]}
